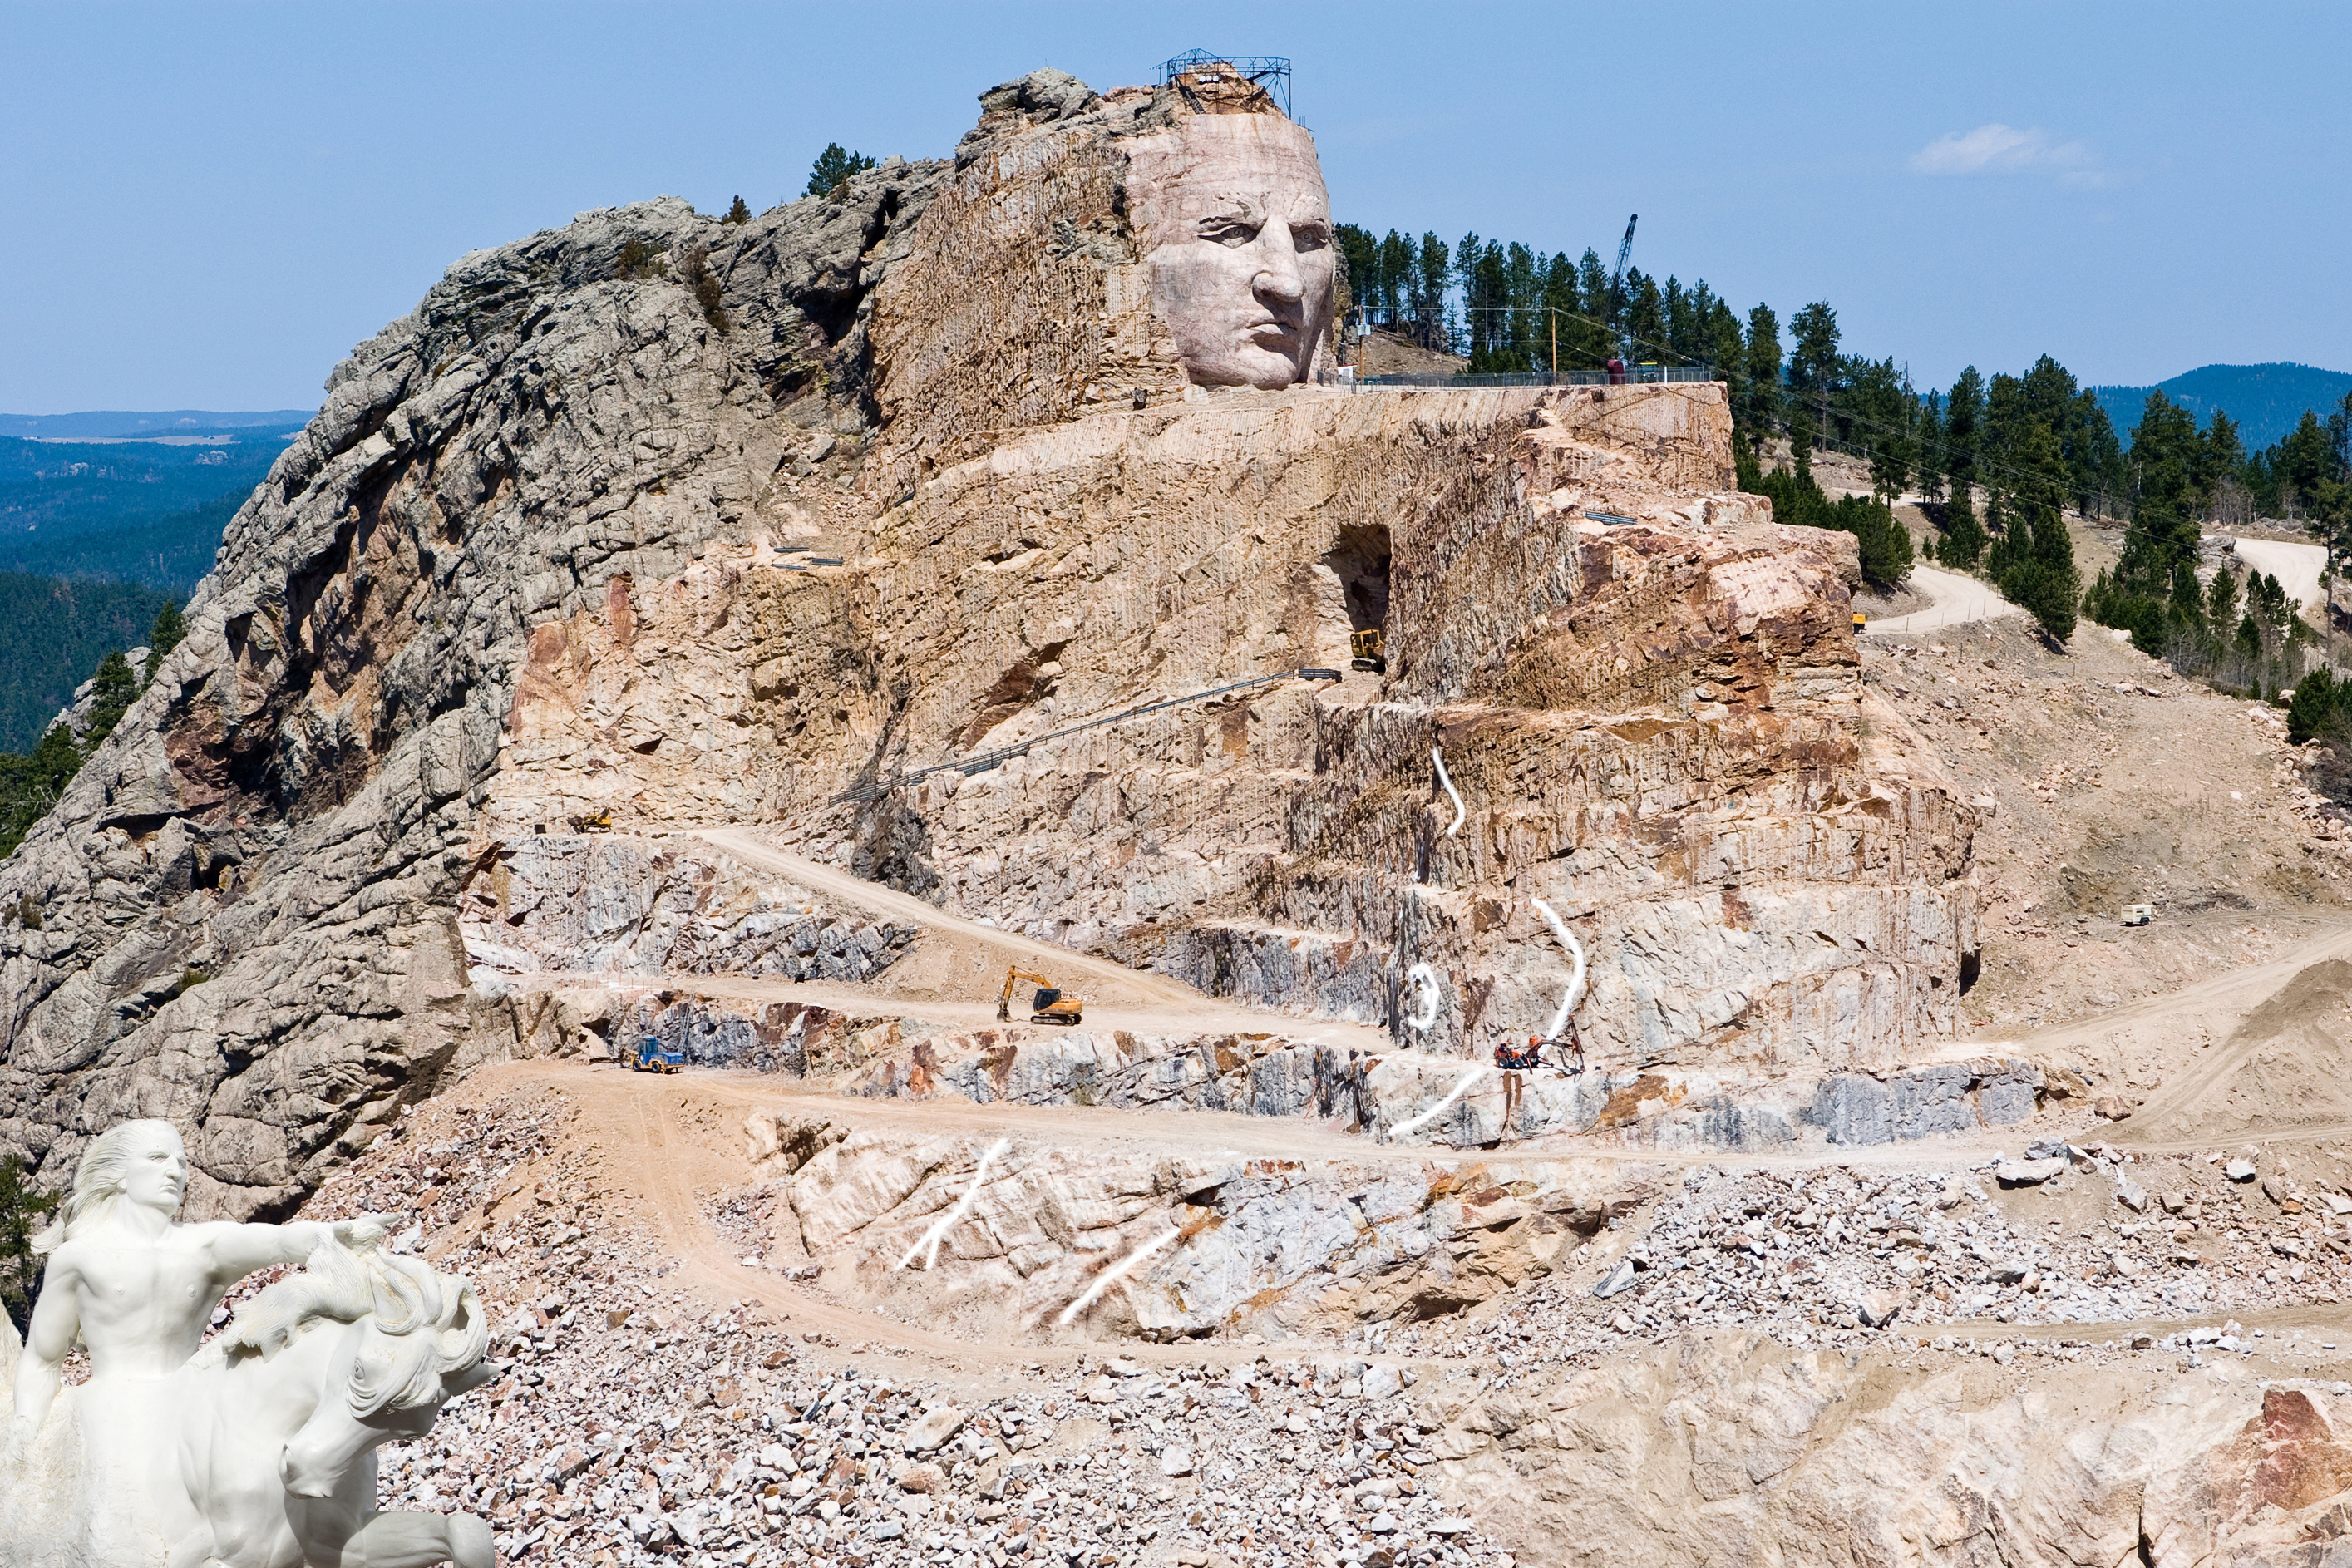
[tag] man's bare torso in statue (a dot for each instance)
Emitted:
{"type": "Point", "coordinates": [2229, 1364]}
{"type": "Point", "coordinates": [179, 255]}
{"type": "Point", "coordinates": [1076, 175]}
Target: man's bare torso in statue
{"type": "Point", "coordinates": [136, 1288]}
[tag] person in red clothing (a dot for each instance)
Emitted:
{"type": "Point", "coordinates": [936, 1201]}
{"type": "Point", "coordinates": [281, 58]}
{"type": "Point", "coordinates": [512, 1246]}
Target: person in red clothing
{"type": "Point", "coordinates": [1616, 371]}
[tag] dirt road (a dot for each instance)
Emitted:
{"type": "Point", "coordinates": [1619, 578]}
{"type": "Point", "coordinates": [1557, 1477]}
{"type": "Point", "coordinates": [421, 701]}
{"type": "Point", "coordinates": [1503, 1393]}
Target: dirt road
{"type": "Point", "coordinates": [2296, 566]}
{"type": "Point", "coordinates": [1958, 600]}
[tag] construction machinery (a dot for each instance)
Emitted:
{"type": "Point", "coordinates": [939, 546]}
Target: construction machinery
{"type": "Point", "coordinates": [651, 1055]}
{"type": "Point", "coordinates": [1368, 649]}
{"type": "Point", "coordinates": [1617, 278]}
{"type": "Point", "coordinates": [1048, 1006]}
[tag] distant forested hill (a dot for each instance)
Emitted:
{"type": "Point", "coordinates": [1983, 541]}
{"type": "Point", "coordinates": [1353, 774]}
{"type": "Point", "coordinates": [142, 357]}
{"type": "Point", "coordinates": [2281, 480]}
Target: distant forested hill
{"type": "Point", "coordinates": [2266, 400]}
{"type": "Point", "coordinates": [52, 635]}
{"type": "Point", "coordinates": [136, 423]}
{"type": "Point", "coordinates": [134, 509]}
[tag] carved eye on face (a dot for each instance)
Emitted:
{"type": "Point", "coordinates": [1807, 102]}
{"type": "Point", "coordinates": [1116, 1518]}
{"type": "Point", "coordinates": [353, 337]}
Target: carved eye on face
{"type": "Point", "coordinates": [1229, 231]}
{"type": "Point", "coordinates": [1310, 236]}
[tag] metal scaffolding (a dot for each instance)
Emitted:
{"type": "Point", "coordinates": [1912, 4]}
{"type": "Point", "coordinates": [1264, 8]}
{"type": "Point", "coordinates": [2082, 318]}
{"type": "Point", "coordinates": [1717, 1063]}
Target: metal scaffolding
{"type": "Point", "coordinates": [1270, 74]}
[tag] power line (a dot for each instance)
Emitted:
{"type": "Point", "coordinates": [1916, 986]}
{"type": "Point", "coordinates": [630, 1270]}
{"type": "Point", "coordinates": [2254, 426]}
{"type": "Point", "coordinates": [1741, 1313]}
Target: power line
{"type": "Point", "coordinates": [981, 762]}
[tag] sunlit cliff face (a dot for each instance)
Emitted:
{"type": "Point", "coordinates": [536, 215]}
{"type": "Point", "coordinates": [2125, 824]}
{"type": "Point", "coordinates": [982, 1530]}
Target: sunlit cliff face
{"type": "Point", "coordinates": [1238, 227]}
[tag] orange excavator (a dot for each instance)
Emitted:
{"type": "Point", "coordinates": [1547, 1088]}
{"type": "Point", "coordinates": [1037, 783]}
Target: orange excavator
{"type": "Point", "coordinates": [1048, 1006]}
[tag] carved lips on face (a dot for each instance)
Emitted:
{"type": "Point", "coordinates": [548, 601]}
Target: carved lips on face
{"type": "Point", "coordinates": [1239, 228]}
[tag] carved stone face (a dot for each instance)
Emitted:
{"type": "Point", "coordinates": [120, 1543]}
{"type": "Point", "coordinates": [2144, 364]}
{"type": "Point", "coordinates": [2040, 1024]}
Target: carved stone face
{"type": "Point", "coordinates": [155, 1175]}
{"type": "Point", "coordinates": [1238, 229]}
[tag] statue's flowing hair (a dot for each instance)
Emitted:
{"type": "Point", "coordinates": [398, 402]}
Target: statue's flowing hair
{"type": "Point", "coordinates": [99, 1180]}
{"type": "Point", "coordinates": [423, 1324]}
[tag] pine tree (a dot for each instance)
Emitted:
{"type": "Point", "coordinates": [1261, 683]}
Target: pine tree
{"type": "Point", "coordinates": [1964, 536]}
{"type": "Point", "coordinates": [1359, 279]}
{"type": "Point", "coordinates": [1748, 474]}
{"type": "Point", "coordinates": [1760, 368]}
{"type": "Point", "coordinates": [1877, 395]}
{"type": "Point", "coordinates": [833, 167]}
{"type": "Point", "coordinates": [1963, 417]}
{"type": "Point", "coordinates": [1645, 317]}
{"type": "Point", "coordinates": [2318, 701]}
{"type": "Point", "coordinates": [116, 689]}
{"type": "Point", "coordinates": [739, 212]}
{"type": "Point", "coordinates": [1724, 350]}
{"type": "Point", "coordinates": [2188, 596]}
{"type": "Point", "coordinates": [22, 1211]}
{"type": "Point", "coordinates": [167, 634]}
{"type": "Point", "coordinates": [1395, 276]}
{"type": "Point", "coordinates": [1429, 294]}
{"type": "Point", "coordinates": [2221, 600]}
{"type": "Point", "coordinates": [1931, 447]}
{"type": "Point", "coordinates": [1813, 367]}
{"type": "Point", "coordinates": [2034, 561]}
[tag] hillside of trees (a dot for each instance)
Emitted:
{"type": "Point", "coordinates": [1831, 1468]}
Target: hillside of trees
{"type": "Point", "coordinates": [39, 621]}
{"type": "Point", "coordinates": [2266, 401]}
{"type": "Point", "coordinates": [53, 633]}
{"type": "Point", "coordinates": [138, 511]}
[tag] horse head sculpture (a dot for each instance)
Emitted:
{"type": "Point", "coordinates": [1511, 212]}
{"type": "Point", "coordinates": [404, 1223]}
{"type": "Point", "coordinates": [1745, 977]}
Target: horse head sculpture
{"type": "Point", "coordinates": [357, 1350]}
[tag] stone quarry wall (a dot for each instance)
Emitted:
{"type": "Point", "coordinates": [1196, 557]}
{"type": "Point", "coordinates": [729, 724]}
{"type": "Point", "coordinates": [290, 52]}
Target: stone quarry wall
{"type": "Point", "coordinates": [1656, 722]}
{"type": "Point", "coordinates": [596, 905]}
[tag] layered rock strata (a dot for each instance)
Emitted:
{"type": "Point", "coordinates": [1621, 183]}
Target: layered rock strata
{"type": "Point", "coordinates": [1027, 1227]}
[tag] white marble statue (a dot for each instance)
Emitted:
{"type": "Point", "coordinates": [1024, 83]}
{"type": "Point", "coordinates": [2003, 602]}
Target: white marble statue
{"type": "Point", "coordinates": [1237, 228]}
{"type": "Point", "coordinates": [257, 1451]}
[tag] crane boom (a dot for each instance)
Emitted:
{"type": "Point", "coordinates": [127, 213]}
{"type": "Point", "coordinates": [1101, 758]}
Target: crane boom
{"type": "Point", "coordinates": [1617, 279]}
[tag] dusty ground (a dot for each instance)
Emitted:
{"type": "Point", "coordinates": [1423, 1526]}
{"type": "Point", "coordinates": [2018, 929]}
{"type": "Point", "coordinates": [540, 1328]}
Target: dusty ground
{"type": "Point", "coordinates": [668, 1399]}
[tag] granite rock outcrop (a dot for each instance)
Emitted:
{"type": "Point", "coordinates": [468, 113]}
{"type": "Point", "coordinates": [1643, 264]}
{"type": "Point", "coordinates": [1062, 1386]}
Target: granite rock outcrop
{"type": "Point", "coordinates": [243, 915]}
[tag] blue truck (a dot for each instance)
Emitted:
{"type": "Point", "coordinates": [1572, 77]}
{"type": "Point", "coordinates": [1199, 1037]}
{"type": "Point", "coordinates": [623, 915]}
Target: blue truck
{"type": "Point", "coordinates": [651, 1055]}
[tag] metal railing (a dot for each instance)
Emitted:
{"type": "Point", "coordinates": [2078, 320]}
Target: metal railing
{"type": "Point", "coordinates": [1632, 375]}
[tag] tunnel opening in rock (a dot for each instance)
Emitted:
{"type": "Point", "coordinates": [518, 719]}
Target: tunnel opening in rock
{"type": "Point", "coordinates": [1360, 558]}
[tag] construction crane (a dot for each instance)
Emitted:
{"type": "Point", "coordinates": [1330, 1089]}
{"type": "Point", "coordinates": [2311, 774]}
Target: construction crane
{"type": "Point", "coordinates": [1617, 279]}
{"type": "Point", "coordinates": [1048, 1006]}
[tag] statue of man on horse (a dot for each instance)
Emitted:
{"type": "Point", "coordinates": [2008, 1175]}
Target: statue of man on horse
{"type": "Point", "coordinates": [257, 1450]}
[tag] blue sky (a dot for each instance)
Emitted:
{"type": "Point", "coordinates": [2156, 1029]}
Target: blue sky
{"type": "Point", "coordinates": [210, 203]}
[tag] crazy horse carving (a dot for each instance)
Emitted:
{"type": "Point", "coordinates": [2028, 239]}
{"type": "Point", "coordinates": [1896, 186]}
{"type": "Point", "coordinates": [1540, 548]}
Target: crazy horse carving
{"type": "Point", "coordinates": [256, 1451]}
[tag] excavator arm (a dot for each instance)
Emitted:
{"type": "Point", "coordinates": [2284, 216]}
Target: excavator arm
{"type": "Point", "coordinates": [1004, 1000]}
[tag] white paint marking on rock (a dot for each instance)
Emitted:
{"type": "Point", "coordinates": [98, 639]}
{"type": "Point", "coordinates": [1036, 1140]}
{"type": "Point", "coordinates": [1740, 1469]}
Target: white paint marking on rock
{"type": "Point", "coordinates": [1473, 1076]}
{"type": "Point", "coordinates": [1459, 812]}
{"type": "Point", "coordinates": [1575, 982]}
{"type": "Point", "coordinates": [1114, 1274]}
{"type": "Point", "coordinates": [1426, 978]}
{"type": "Point", "coordinates": [930, 1244]}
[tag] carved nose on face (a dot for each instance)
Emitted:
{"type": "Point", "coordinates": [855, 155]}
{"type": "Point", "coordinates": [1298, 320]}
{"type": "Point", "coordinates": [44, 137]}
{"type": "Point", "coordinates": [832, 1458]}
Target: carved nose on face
{"type": "Point", "coordinates": [1278, 279]}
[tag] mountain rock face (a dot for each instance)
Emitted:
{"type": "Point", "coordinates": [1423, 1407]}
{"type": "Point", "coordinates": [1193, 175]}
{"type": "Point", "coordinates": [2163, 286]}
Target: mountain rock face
{"type": "Point", "coordinates": [657, 522]}
{"type": "Point", "coordinates": [243, 915]}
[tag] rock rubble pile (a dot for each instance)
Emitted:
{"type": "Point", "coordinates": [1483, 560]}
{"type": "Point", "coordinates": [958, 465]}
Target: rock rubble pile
{"type": "Point", "coordinates": [2073, 1236]}
{"type": "Point", "coordinates": [633, 1425]}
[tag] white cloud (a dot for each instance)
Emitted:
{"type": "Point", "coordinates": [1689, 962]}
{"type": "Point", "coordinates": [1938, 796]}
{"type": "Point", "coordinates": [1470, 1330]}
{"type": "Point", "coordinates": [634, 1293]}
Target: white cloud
{"type": "Point", "coordinates": [2001, 149]}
